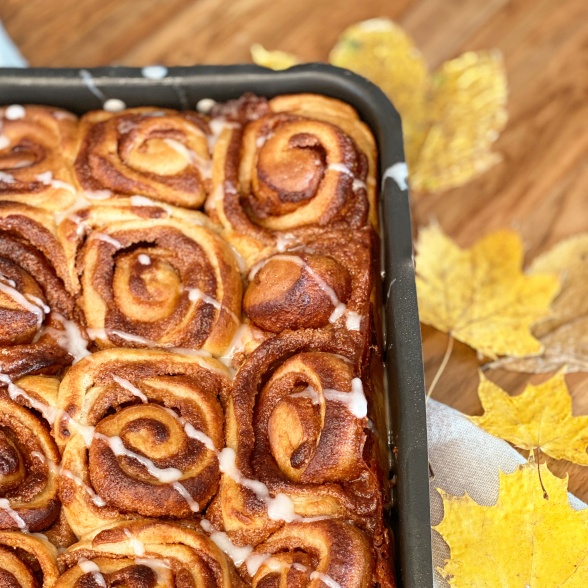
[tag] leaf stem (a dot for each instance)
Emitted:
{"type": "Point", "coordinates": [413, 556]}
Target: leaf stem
{"type": "Point", "coordinates": [442, 367]}
{"type": "Point", "coordinates": [545, 495]}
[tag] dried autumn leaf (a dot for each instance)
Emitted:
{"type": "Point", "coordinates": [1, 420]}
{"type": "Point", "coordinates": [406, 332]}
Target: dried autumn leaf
{"type": "Point", "coordinates": [524, 540]}
{"type": "Point", "coordinates": [272, 59]}
{"type": "Point", "coordinates": [564, 333]}
{"type": "Point", "coordinates": [480, 295]}
{"type": "Point", "coordinates": [539, 418]}
{"type": "Point", "coordinates": [450, 119]}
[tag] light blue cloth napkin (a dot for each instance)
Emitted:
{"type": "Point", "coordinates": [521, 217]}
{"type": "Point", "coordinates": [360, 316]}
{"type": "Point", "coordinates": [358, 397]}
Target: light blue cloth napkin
{"type": "Point", "coordinates": [9, 54]}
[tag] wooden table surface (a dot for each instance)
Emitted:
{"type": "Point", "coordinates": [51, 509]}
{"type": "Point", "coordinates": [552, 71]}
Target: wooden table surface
{"type": "Point", "coordinates": [541, 186]}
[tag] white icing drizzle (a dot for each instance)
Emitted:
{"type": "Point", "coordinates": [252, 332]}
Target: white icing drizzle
{"type": "Point", "coordinates": [49, 413]}
{"type": "Point", "coordinates": [204, 165]}
{"type": "Point", "coordinates": [91, 84]}
{"type": "Point", "coordinates": [239, 258]}
{"type": "Point", "coordinates": [353, 321]}
{"type": "Point", "coordinates": [339, 167]}
{"type": "Point", "coordinates": [181, 490]}
{"type": "Point", "coordinates": [240, 338]}
{"type": "Point", "coordinates": [195, 294]}
{"type": "Point", "coordinates": [70, 338]}
{"type": "Point", "coordinates": [104, 334]}
{"type": "Point", "coordinates": [205, 105]}
{"type": "Point", "coordinates": [255, 561]}
{"type": "Point", "coordinates": [38, 310]}
{"type": "Point", "coordinates": [89, 567]}
{"type": "Point", "coordinates": [154, 72]}
{"type": "Point", "coordinates": [261, 140]}
{"type": "Point", "coordinates": [137, 545]}
{"type": "Point", "coordinates": [280, 508]}
{"type": "Point", "coordinates": [5, 505]}
{"type": "Point", "coordinates": [107, 239]}
{"type": "Point", "coordinates": [217, 126]}
{"type": "Point", "coordinates": [165, 475]}
{"type": "Point", "coordinates": [399, 173]}
{"type": "Point", "coordinates": [355, 401]}
{"type": "Point", "coordinates": [223, 542]}
{"type": "Point", "coordinates": [95, 498]}
{"type": "Point", "coordinates": [7, 178]}
{"type": "Point", "coordinates": [14, 112]}
{"type": "Point", "coordinates": [46, 178]}
{"type": "Point", "coordinates": [308, 392]}
{"type": "Point", "coordinates": [4, 141]}
{"type": "Point", "coordinates": [124, 383]}
{"type": "Point", "coordinates": [284, 241]}
{"type": "Point", "coordinates": [114, 105]}
{"type": "Point", "coordinates": [325, 579]}
{"type": "Point", "coordinates": [144, 259]}
{"type": "Point", "coordinates": [59, 469]}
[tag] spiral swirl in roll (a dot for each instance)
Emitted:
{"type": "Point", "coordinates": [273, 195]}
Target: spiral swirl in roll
{"type": "Point", "coordinates": [322, 553]}
{"type": "Point", "coordinates": [36, 294]}
{"type": "Point", "coordinates": [28, 482]}
{"type": "Point", "coordinates": [141, 432]}
{"type": "Point", "coordinates": [161, 154]}
{"type": "Point", "coordinates": [27, 561]}
{"type": "Point", "coordinates": [315, 282]}
{"type": "Point", "coordinates": [309, 161]}
{"type": "Point", "coordinates": [160, 283]}
{"type": "Point", "coordinates": [296, 424]}
{"type": "Point", "coordinates": [148, 554]}
{"type": "Point", "coordinates": [36, 147]}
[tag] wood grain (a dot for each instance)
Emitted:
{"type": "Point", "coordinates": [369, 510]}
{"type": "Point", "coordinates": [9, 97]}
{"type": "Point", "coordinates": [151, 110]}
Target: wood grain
{"type": "Point", "coordinates": [539, 188]}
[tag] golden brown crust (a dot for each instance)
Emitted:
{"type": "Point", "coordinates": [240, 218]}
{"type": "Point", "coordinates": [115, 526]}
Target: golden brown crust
{"type": "Point", "coordinates": [291, 432]}
{"type": "Point", "coordinates": [156, 405]}
{"type": "Point", "coordinates": [29, 477]}
{"type": "Point", "coordinates": [139, 553]}
{"type": "Point", "coordinates": [27, 561]}
{"type": "Point", "coordinates": [36, 294]}
{"type": "Point", "coordinates": [303, 161]}
{"type": "Point", "coordinates": [160, 283]}
{"type": "Point", "coordinates": [158, 153]}
{"type": "Point", "coordinates": [36, 151]}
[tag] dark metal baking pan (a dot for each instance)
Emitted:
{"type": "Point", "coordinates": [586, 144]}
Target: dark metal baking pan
{"type": "Point", "coordinates": [183, 87]}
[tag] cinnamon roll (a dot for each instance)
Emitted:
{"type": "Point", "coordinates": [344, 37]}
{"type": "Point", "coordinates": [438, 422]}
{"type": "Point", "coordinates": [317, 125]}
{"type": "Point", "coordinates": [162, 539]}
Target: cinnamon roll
{"type": "Point", "coordinates": [296, 432]}
{"type": "Point", "coordinates": [314, 280]}
{"type": "Point", "coordinates": [28, 482]}
{"type": "Point", "coordinates": [27, 561]}
{"type": "Point", "coordinates": [166, 282]}
{"type": "Point", "coordinates": [141, 430]}
{"type": "Point", "coordinates": [307, 161]}
{"type": "Point", "coordinates": [147, 553]}
{"type": "Point", "coordinates": [331, 553]}
{"type": "Point", "coordinates": [36, 294]}
{"type": "Point", "coordinates": [36, 149]}
{"type": "Point", "coordinates": [159, 153]}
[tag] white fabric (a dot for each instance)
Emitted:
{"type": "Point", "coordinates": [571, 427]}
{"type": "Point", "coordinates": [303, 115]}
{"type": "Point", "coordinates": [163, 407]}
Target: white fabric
{"type": "Point", "coordinates": [464, 458]}
{"type": "Point", "coordinates": [9, 54]}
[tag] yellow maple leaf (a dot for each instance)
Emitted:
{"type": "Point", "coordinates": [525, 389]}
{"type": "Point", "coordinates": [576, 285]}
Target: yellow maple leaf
{"type": "Point", "coordinates": [539, 418]}
{"type": "Point", "coordinates": [525, 540]}
{"type": "Point", "coordinates": [480, 295]}
{"type": "Point", "coordinates": [450, 119]}
{"type": "Point", "coordinates": [272, 59]}
{"type": "Point", "coordinates": [564, 333]}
